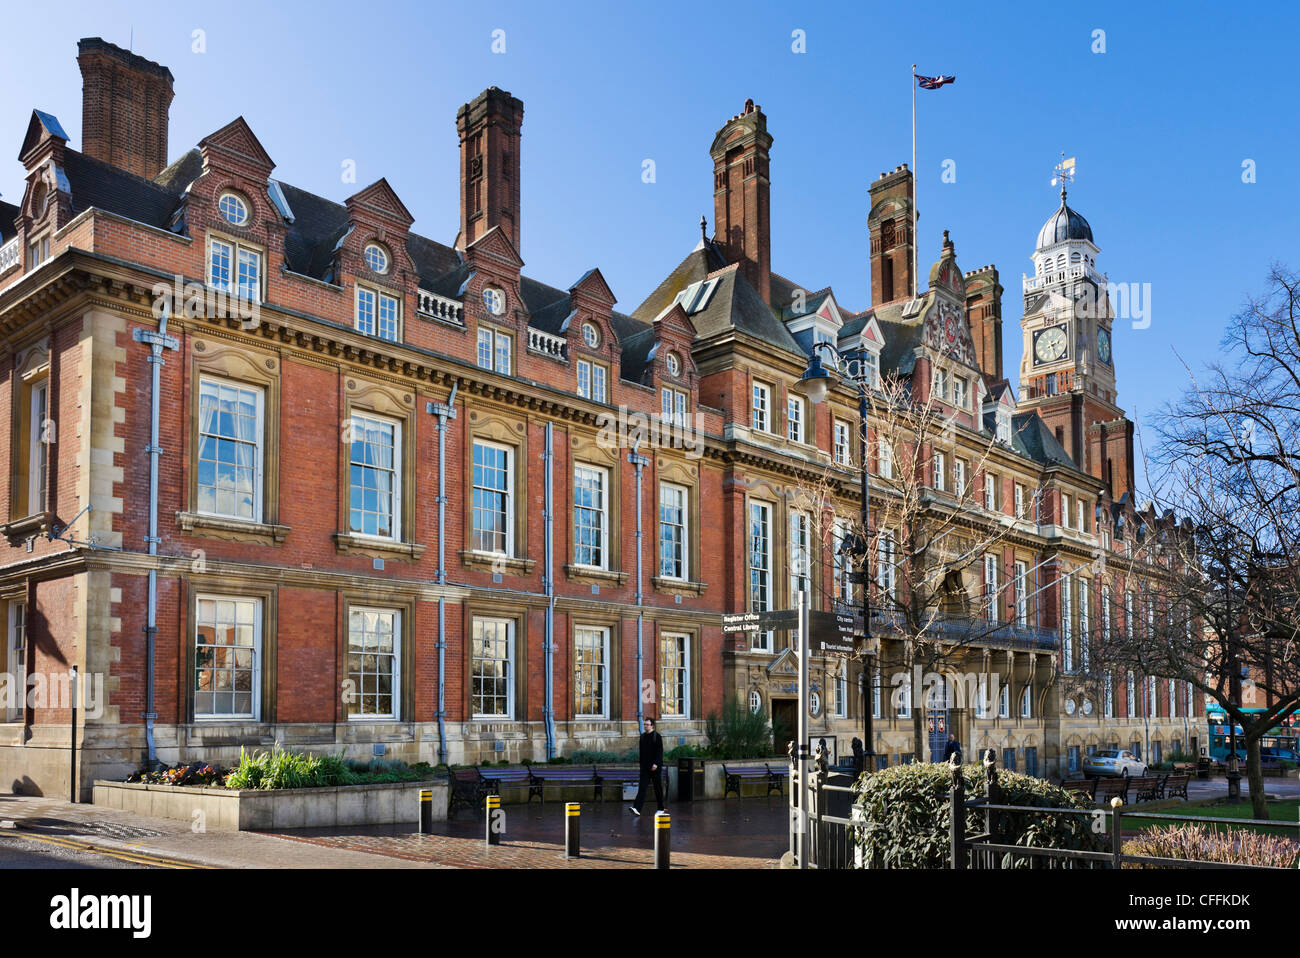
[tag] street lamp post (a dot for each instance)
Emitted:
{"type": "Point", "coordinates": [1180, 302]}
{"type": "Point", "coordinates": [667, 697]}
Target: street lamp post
{"type": "Point", "coordinates": [815, 383]}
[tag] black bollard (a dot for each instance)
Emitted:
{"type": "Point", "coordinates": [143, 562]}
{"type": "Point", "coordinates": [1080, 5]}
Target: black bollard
{"type": "Point", "coordinates": [494, 820]}
{"type": "Point", "coordinates": [426, 811]}
{"type": "Point", "coordinates": [663, 834]}
{"type": "Point", "coordinates": [572, 826]}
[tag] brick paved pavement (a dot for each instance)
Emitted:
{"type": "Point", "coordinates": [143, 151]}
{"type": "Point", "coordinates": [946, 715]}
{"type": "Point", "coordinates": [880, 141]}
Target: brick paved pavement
{"type": "Point", "coordinates": [713, 834]}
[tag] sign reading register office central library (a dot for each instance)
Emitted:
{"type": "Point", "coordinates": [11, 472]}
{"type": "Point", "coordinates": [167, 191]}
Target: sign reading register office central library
{"type": "Point", "coordinates": [831, 632]}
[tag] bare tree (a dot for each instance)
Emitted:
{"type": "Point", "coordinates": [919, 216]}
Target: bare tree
{"type": "Point", "coordinates": [1228, 466]}
{"type": "Point", "coordinates": [927, 541]}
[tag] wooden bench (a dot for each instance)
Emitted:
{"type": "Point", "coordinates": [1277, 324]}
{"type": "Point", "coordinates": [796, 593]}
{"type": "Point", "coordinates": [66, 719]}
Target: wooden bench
{"type": "Point", "coordinates": [543, 775]}
{"type": "Point", "coordinates": [735, 774]}
{"type": "Point", "coordinates": [467, 789]}
{"type": "Point", "coordinates": [609, 775]}
{"type": "Point", "coordinates": [1145, 788]}
{"type": "Point", "coordinates": [1174, 786]}
{"type": "Point", "coordinates": [1081, 785]}
{"type": "Point", "coordinates": [496, 776]}
{"type": "Point", "coordinates": [1110, 787]}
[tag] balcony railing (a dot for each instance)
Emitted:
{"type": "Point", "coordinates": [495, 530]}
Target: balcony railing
{"type": "Point", "coordinates": [9, 254]}
{"type": "Point", "coordinates": [973, 631]}
{"type": "Point", "coordinates": [546, 344]}
{"type": "Point", "coordinates": [439, 307]}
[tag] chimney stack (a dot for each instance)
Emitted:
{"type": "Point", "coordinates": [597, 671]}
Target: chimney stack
{"type": "Point", "coordinates": [489, 127]}
{"type": "Point", "coordinates": [890, 226]}
{"type": "Point", "coordinates": [741, 200]}
{"type": "Point", "coordinates": [124, 104]}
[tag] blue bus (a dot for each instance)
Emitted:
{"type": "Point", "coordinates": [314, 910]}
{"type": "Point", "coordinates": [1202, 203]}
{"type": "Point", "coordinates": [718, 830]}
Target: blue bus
{"type": "Point", "coordinates": [1285, 736]}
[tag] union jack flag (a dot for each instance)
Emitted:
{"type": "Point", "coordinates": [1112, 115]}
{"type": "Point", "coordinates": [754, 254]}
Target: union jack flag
{"type": "Point", "coordinates": [933, 83]}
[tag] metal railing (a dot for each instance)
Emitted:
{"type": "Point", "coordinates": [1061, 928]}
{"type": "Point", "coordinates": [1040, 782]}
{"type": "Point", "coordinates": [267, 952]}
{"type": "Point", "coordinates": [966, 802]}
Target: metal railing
{"type": "Point", "coordinates": [975, 631]}
{"type": "Point", "coordinates": [831, 839]}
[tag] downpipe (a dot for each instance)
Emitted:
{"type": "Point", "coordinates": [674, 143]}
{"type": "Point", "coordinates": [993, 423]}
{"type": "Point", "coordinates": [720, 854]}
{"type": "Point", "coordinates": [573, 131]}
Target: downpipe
{"type": "Point", "coordinates": [639, 462]}
{"type": "Point", "coordinates": [548, 583]}
{"type": "Point", "coordinates": [445, 411]}
{"type": "Point", "coordinates": [157, 342]}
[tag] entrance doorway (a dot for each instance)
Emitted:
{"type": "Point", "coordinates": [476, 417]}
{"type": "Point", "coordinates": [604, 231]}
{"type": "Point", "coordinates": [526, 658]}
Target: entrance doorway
{"type": "Point", "coordinates": [785, 723]}
{"type": "Point", "coordinates": [936, 722]}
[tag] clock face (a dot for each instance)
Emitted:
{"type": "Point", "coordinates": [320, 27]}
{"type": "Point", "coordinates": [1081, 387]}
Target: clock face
{"type": "Point", "coordinates": [1069, 706]}
{"type": "Point", "coordinates": [1103, 346]}
{"type": "Point", "coordinates": [1050, 345]}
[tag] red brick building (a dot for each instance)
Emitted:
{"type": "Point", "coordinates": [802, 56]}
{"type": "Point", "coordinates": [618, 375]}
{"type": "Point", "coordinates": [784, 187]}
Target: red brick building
{"type": "Point", "coordinates": [389, 510]}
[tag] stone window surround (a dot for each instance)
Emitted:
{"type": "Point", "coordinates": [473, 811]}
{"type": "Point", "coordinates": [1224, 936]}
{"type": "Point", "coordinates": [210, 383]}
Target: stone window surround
{"type": "Point", "coordinates": [488, 425]}
{"type": "Point", "coordinates": [238, 364]}
{"type": "Point", "coordinates": [236, 588]}
{"type": "Point", "coordinates": [381, 400]}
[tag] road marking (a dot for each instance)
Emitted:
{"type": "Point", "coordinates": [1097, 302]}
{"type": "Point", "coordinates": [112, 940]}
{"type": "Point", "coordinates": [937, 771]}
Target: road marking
{"type": "Point", "coordinates": [137, 858]}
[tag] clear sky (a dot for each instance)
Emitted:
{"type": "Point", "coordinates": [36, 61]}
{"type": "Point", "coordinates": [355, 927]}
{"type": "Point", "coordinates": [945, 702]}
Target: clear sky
{"type": "Point", "coordinates": [1161, 123]}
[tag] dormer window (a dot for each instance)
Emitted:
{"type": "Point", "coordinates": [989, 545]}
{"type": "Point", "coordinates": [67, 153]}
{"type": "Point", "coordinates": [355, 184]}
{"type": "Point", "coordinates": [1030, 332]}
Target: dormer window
{"type": "Point", "coordinates": [233, 209]}
{"type": "Point", "coordinates": [590, 335]}
{"type": "Point", "coordinates": [376, 258]}
{"type": "Point", "coordinates": [377, 313]}
{"type": "Point", "coordinates": [1003, 420]}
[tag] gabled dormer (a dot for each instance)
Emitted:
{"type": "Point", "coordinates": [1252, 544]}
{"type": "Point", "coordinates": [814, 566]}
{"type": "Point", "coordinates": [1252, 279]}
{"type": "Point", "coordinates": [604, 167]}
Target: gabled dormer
{"type": "Point", "coordinates": [47, 200]}
{"type": "Point", "coordinates": [998, 407]}
{"type": "Point", "coordinates": [813, 318]}
{"type": "Point", "coordinates": [371, 261]}
{"type": "Point", "coordinates": [229, 210]}
{"type": "Point", "coordinates": [591, 342]}
{"type": "Point", "coordinates": [494, 309]}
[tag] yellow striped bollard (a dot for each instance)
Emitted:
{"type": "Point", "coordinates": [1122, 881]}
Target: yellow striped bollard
{"type": "Point", "coordinates": [663, 833]}
{"type": "Point", "coordinates": [572, 828]}
{"type": "Point", "coordinates": [496, 820]}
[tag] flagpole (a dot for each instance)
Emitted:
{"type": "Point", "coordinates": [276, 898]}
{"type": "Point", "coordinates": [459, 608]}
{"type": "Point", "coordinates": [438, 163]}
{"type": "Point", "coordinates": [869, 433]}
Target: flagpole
{"type": "Point", "coordinates": [916, 284]}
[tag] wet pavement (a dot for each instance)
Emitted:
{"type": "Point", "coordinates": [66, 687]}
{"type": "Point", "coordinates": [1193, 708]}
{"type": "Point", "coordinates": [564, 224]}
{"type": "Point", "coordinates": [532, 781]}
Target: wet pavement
{"type": "Point", "coordinates": [748, 833]}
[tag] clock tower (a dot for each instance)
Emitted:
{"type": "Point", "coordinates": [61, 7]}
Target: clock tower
{"type": "Point", "coordinates": [1067, 371]}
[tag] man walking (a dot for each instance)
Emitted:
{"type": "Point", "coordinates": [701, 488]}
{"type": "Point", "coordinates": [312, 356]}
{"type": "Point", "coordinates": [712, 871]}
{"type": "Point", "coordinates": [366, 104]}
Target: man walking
{"type": "Point", "coordinates": [652, 760]}
{"type": "Point", "coordinates": [952, 748]}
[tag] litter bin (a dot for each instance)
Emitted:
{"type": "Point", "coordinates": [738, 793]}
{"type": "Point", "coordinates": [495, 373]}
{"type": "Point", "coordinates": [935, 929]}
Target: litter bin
{"type": "Point", "coordinates": [690, 779]}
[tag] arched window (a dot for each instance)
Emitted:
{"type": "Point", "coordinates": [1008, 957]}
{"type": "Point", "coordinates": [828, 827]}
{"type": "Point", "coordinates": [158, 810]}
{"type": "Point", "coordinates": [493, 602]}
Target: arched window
{"type": "Point", "coordinates": [1076, 257]}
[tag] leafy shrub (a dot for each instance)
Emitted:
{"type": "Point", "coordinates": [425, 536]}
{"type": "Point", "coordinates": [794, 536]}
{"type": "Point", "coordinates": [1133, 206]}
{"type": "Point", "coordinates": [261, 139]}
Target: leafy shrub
{"type": "Point", "coordinates": [907, 816]}
{"type": "Point", "coordinates": [281, 768]}
{"type": "Point", "coordinates": [684, 751]}
{"type": "Point", "coordinates": [1195, 841]}
{"type": "Point", "coordinates": [738, 733]}
{"type": "Point", "coordinates": [1180, 757]}
{"type": "Point", "coordinates": [587, 756]}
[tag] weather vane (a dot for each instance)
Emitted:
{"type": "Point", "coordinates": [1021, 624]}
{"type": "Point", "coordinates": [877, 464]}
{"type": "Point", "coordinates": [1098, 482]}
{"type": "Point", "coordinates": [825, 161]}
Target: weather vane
{"type": "Point", "coordinates": [1064, 173]}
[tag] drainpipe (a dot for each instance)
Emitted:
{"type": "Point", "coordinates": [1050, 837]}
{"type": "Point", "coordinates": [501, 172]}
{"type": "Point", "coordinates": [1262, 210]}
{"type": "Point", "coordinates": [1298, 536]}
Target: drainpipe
{"type": "Point", "coordinates": [548, 584]}
{"type": "Point", "coordinates": [639, 462]}
{"type": "Point", "coordinates": [157, 341]}
{"type": "Point", "coordinates": [444, 411]}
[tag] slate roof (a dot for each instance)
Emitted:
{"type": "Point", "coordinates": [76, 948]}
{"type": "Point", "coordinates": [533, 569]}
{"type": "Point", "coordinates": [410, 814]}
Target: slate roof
{"type": "Point", "coordinates": [8, 214]}
{"type": "Point", "coordinates": [95, 183]}
{"type": "Point", "coordinates": [1030, 437]}
{"type": "Point", "coordinates": [734, 305]}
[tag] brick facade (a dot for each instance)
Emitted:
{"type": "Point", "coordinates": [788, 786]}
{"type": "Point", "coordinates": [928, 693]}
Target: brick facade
{"type": "Point", "coordinates": [79, 562]}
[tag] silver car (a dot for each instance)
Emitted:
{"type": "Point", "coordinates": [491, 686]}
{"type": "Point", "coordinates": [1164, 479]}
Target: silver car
{"type": "Point", "coordinates": [1113, 762]}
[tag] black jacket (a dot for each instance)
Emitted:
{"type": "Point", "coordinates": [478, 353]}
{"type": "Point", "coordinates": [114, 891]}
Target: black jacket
{"type": "Point", "coordinates": [652, 750]}
{"type": "Point", "coordinates": [950, 748]}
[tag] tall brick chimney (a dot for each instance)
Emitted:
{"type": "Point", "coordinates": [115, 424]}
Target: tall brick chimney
{"type": "Point", "coordinates": [124, 104]}
{"type": "Point", "coordinates": [489, 127]}
{"type": "Point", "coordinates": [741, 200]}
{"type": "Point", "coordinates": [890, 226]}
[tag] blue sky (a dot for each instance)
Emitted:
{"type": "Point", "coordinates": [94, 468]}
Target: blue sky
{"type": "Point", "coordinates": [1161, 123]}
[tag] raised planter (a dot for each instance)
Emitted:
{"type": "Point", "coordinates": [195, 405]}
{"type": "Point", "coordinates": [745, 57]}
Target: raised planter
{"type": "Point", "coordinates": [272, 809]}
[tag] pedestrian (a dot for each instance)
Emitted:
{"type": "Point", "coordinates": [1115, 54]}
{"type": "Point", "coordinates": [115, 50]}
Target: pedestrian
{"type": "Point", "coordinates": [652, 760]}
{"type": "Point", "coordinates": [952, 748]}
